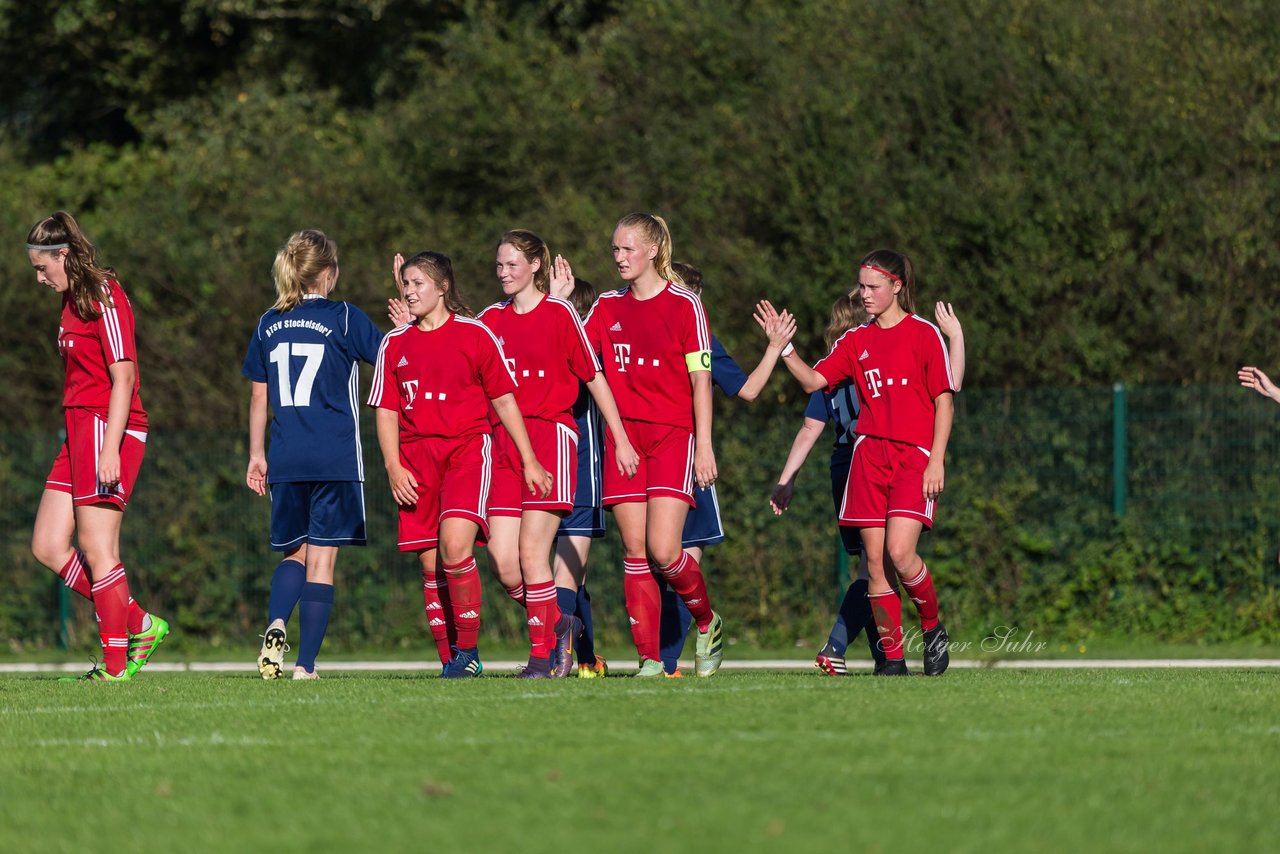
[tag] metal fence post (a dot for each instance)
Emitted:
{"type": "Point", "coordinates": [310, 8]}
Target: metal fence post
{"type": "Point", "coordinates": [64, 615]}
{"type": "Point", "coordinates": [1120, 449]}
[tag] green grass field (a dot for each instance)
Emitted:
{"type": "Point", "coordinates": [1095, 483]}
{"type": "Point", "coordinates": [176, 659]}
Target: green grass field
{"type": "Point", "coordinates": [980, 760]}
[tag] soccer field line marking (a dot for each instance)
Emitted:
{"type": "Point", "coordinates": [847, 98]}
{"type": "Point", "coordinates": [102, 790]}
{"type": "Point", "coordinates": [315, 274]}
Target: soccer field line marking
{"type": "Point", "coordinates": [158, 739]}
{"type": "Point", "coordinates": [502, 667]}
{"type": "Point", "coordinates": [151, 705]}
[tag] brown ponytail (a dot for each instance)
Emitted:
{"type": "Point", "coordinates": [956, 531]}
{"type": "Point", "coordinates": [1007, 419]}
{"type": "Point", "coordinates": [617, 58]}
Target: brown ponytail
{"type": "Point", "coordinates": [87, 280]}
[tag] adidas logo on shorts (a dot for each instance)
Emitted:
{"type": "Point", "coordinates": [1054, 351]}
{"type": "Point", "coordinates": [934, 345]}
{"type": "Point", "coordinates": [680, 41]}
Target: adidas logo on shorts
{"type": "Point", "coordinates": [634, 621]}
{"type": "Point", "coordinates": [617, 327]}
{"type": "Point", "coordinates": [534, 621]}
{"type": "Point", "coordinates": [403, 361]}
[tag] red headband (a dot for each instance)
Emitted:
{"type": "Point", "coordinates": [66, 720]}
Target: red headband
{"type": "Point", "coordinates": [882, 272]}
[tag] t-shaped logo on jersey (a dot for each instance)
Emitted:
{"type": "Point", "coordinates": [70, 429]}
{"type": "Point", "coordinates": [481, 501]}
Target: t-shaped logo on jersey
{"type": "Point", "coordinates": [622, 352]}
{"type": "Point", "coordinates": [873, 382]}
{"type": "Point", "coordinates": [410, 392]}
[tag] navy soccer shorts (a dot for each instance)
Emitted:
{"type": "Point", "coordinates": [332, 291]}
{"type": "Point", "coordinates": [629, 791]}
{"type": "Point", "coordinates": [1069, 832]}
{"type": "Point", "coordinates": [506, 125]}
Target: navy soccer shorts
{"type": "Point", "coordinates": [322, 513]}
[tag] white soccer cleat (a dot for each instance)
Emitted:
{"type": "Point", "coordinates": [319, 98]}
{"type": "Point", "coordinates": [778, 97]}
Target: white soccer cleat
{"type": "Point", "coordinates": [271, 656]}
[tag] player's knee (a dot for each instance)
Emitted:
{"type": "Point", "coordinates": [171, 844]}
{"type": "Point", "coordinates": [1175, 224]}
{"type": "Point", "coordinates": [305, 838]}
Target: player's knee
{"type": "Point", "coordinates": [454, 552]}
{"type": "Point", "coordinates": [662, 557]}
{"type": "Point", "coordinates": [102, 561]}
{"type": "Point", "coordinates": [876, 574]}
{"type": "Point", "coordinates": [506, 572]}
{"type": "Point", "coordinates": [903, 555]}
{"type": "Point", "coordinates": [50, 553]}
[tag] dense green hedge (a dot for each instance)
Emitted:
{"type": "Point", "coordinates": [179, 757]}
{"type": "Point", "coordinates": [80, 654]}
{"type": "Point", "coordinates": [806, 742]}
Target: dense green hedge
{"type": "Point", "coordinates": [1093, 185]}
{"type": "Point", "coordinates": [1026, 535]}
{"type": "Point", "coordinates": [1093, 189]}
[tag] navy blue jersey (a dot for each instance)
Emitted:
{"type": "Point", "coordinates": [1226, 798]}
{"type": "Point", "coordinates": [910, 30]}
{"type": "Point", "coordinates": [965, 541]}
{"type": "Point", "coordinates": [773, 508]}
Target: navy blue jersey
{"type": "Point", "coordinates": [307, 357]}
{"type": "Point", "coordinates": [724, 370]}
{"type": "Point", "coordinates": [840, 407]}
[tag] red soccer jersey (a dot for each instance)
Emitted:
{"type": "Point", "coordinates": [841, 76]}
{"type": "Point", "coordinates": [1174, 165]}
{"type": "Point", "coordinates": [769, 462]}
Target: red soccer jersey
{"type": "Point", "coordinates": [644, 344]}
{"type": "Point", "coordinates": [90, 347]}
{"type": "Point", "coordinates": [898, 373]}
{"type": "Point", "coordinates": [548, 354]}
{"type": "Point", "coordinates": [440, 381]}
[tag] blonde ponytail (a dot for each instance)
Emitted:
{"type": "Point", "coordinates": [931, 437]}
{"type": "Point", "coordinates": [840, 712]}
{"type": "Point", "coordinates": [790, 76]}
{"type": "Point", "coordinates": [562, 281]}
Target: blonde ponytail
{"type": "Point", "coordinates": [299, 266]}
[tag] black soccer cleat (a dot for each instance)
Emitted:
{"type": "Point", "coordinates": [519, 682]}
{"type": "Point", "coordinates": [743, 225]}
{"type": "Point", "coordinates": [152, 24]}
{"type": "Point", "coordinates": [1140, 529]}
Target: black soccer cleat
{"type": "Point", "coordinates": [937, 653]}
{"type": "Point", "coordinates": [893, 667]}
{"type": "Point", "coordinates": [537, 668]}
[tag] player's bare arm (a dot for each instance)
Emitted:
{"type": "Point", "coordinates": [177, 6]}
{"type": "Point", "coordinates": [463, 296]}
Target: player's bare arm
{"type": "Point", "coordinates": [704, 457]}
{"type": "Point", "coordinates": [809, 379]}
{"type": "Point", "coordinates": [804, 442]}
{"type": "Point", "coordinates": [404, 486]}
{"type": "Point", "coordinates": [628, 461]}
{"type": "Point", "coordinates": [947, 321]}
{"type": "Point", "coordinates": [779, 330]}
{"type": "Point", "coordinates": [123, 376]}
{"type": "Point", "coordinates": [943, 414]}
{"type": "Point", "coordinates": [256, 476]}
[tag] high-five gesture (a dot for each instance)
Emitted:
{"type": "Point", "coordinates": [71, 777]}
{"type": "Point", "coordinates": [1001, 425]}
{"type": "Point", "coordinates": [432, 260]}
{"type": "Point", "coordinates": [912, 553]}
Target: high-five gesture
{"type": "Point", "coordinates": [561, 278]}
{"type": "Point", "coordinates": [1256, 379]}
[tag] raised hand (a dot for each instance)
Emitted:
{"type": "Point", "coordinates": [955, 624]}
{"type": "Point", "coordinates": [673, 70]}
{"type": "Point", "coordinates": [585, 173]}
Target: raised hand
{"type": "Point", "coordinates": [561, 278]}
{"type": "Point", "coordinates": [945, 315]}
{"type": "Point", "coordinates": [397, 264]}
{"type": "Point", "coordinates": [764, 313]}
{"type": "Point", "coordinates": [398, 312]}
{"type": "Point", "coordinates": [1256, 379]}
{"type": "Point", "coordinates": [780, 329]}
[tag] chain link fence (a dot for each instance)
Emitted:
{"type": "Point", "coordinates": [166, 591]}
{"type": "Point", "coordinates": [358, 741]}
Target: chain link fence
{"type": "Point", "coordinates": [1079, 511]}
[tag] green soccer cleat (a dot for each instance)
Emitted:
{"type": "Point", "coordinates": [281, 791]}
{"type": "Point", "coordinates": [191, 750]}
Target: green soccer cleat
{"type": "Point", "coordinates": [144, 643]}
{"type": "Point", "coordinates": [97, 674]}
{"type": "Point", "coordinates": [649, 667]}
{"type": "Point", "coordinates": [709, 651]}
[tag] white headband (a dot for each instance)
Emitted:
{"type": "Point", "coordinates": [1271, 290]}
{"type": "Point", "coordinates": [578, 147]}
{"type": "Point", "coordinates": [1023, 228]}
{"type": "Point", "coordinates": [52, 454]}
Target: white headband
{"type": "Point", "coordinates": [53, 247]}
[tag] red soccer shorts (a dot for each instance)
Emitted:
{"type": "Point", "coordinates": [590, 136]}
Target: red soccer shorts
{"type": "Point", "coordinates": [886, 479]}
{"type": "Point", "coordinates": [666, 464]}
{"type": "Point", "coordinates": [556, 447]}
{"type": "Point", "coordinates": [76, 468]}
{"type": "Point", "coordinates": [453, 480]}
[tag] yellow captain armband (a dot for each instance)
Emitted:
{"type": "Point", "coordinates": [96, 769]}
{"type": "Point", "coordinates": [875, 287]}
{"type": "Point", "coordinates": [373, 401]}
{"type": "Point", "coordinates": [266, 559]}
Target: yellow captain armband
{"type": "Point", "coordinates": [699, 361]}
